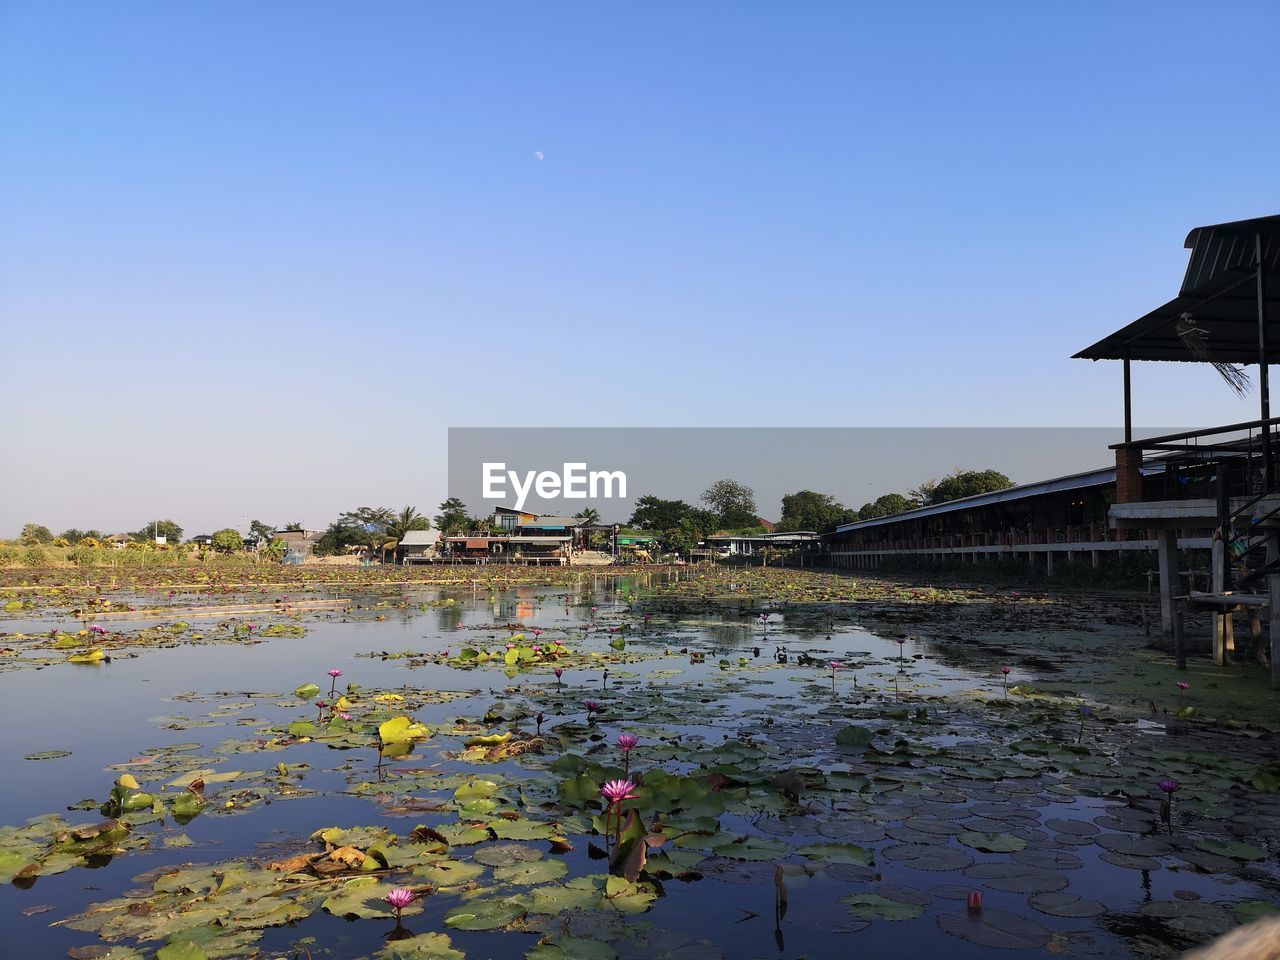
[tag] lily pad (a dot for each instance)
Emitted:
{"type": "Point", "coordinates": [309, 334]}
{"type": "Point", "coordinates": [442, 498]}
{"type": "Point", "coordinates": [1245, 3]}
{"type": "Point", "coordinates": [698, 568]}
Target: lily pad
{"type": "Point", "coordinates": [872, 906]}
{"type": "Point", "coordinates": [1066, 905]}
{"type": "Point", "coordinates": [995, 929]}
{"type": "Point", "coordinates": [490, 914]}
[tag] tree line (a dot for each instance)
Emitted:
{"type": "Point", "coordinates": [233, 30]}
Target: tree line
{"type": "Point", "coordinates": [727, 506]}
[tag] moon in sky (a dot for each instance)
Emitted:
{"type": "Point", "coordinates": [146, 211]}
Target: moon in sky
{"type": "Point", "coordinates": [537, 154]}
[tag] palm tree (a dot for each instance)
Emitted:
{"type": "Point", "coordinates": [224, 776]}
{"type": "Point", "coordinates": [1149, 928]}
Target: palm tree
{"type": "Point", "coordinates": [591, 515]}
{"type": "Point", "coordinates": [407, 519]}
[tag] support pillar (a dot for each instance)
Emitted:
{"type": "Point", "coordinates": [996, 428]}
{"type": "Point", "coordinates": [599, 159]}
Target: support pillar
{"type": "Point", "coordinates": [1048, 563]}
{"type": "Point", "coordinates": [1273, 613]}
{"type": "Point", "coordinates": [1167, 552]}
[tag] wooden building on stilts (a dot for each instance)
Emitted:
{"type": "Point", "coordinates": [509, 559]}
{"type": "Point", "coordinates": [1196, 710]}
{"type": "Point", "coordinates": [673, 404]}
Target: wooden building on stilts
{"type": "Point", "coordinates": [1226, 314]}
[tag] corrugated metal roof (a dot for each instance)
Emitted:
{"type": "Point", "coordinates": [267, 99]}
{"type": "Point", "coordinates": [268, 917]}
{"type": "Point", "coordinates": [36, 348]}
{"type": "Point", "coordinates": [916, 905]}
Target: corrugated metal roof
{"type": "Point", "coordinates": [554, 523]}
{"type": "Point", "coordinates": [1219, 293]}
{"type": "Point", "coordinates": [1075, 481]}
{"type": "Point", "coordinates": [420, 538]}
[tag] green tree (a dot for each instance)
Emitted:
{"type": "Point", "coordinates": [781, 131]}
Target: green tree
{"type": "Point", "coordinates": [262, 531]}
{"type": "Point", "coordinates": [275, 550]}
{"type": "Point", "coordinates": [364, 526]}
{"type": "Point", "coordinates": [654, 513]}
{"type": "Point", "coordinates": [969, 483]}
{"type": "Point", "coordinates": [702, 523]}
{"type": "Point", "coordinates": [295, 527]}
{"type": "Point", "coordinates": [885, 506]}
{"type": "Point", "coordinates": [407, 519]}
{"type": "Point", "coordinates": [34, 534]}
{"type": "Point", "coordinates": [806, 510]}
{"type": "Point", "coordinates": [735, 503]}
{"type": "Point", "coordinates": [228, 540]}
{"type": "Point", "coordinates": [591, 515]}
{"type": "Point", "coordinates": [679, 539]}
{"type": "Point", "coordinates": [160, 528]}
{"type": "Point", "coordinates": [452, 517]}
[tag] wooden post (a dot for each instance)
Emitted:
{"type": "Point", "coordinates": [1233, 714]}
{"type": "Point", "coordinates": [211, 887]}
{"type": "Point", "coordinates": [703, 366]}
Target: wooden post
{"type": "Point", "coordinates": [1167, 551]}
{"type": "Point", "coordinates": [1179, 640]}
{"type": "Point", "coordinates": [1273, 611]}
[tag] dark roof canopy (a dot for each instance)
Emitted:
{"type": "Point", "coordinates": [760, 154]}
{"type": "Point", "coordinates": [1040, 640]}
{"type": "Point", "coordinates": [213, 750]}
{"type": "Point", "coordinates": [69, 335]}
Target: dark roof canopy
{"type": "Point", "coordinates": [1220, 292]}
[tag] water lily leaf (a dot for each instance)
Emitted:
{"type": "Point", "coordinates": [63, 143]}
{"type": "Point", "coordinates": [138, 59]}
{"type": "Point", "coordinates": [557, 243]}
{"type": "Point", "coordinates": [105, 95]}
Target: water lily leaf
{"type": "Point", "coordinates": [48, 755]}
{"type": "Point", "coordinates": [527, 874]}
{"type": "Point", "coordinates": [572, 948]}
{"type": "Point", "coordinates": [187, 805]}
{"type": "Point", "coordinates": [357, 898]}
{"type": "Point", "coordinates": [1066, 905]}
{"type": "Point", "coordinates": [402, 730]}
{"type": "Point", "coordinates": [753, 848]}
{"type": "Point", "coordinates": [96, 655]}
{"type": "Point", "coordinates": [1016, 877]}
{"type": "Point", "coordinates": [872, 906]}
{"type": "Point", "coordinates": [591, 893]}
{"type": "Point", "coordinates": [182, 950]}
{"type": "Point", "coordinates": [1234, 849]}
{"type": "Point", "coordinates": [837, 853]}
{"type": "Point", "coordinates": [922, 856]}
{"type": "Point", "coordinates": [425, 946]}
{"type": "Point", "coordinates": [995, 929]}
{"type": "Point", "coordinates": [991, 842]}
{"type": "Point", "coordinates": [522, 829]}
{"type": "Point", "coordinates": [505, 854]}
{"type": "Point", "coordinates": [449, 873]}
{"type": "Point", "coordinates": [485, 914]}
{"type": "Point", "coordinates": [1251, 910]}
{"type": "Point", "coordinates": [308, 691]}
{"type": "Point", "coordinates": [853, 737]}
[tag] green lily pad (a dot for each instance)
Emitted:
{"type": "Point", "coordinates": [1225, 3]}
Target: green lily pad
{"type": "Point", "coordinates": [490, 914]}
{"type": "Point", "coordinates": [851, 736]}
{"type": "Point", "coordinates": [1066, 905]}
{"type": "Point", "coordinates": [572, 948]}
{"type": "Point", "coordinates": [991, 842]}
{"type": "Point", "coordinates": [1234, 849]}
{"type": "Point", "coordinates": [837, 853]}
{"type": "Point", "coordinates": [995, 929]}
{"type": "Point", "coordinates": [527, 874]}
{"type": "Point", "coordinates": [872, 906]}
{"type": "Point", "coordinates": [48, 755]}
{"type": "Point", "coordinates": [425, 946]}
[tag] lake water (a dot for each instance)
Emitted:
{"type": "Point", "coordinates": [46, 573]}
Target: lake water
{"type": "Point", "coordinates": [946, 785]}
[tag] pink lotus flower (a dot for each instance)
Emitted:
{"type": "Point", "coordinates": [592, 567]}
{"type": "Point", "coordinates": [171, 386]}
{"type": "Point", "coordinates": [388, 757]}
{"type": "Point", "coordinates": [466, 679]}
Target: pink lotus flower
{"type": "Point", "coordinates": [536, 648]}
{"type": "Point", "coordinates": [97, 630]}
{"type": "Point", "coordinates": [537, 631]}
{"type": "Point", "coordinates": [592, 707]}
{"type": "Point", "coordinates": [1169, 785]}
{"type": "Point", "coordinates": [615, 791]}
{"type": "Point", "coordinates": [627, 741]}
{"type": "Point", "coordinates": [400, 898]}
{"type": "Point", "coordinates": [511, 646]}
{"type": "Point", "coordinates": [335, 674]}
{"type": "Point", "coordinates": [1183, 685]}
{"type": "Point", "coordinates": [1005, 670]}
{"type": "Point", "coordinates": [345, 716]}
{"type": "Point", "coordinates": [975, 900]}
{"type": "Point", "coordinates": [559, 672]}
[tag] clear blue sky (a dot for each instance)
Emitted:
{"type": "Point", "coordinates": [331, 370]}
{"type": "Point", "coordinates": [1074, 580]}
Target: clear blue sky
{"type": "Point", "coordinates": [256, 257]}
